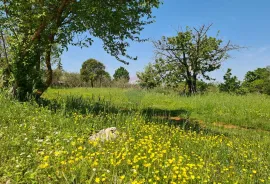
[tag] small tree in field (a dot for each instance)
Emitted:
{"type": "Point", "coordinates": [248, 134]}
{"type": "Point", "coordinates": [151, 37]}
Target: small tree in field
{"type": "Point", "coordinates": [231, 83]}
{"type": "Point", "coordinates": [189, 55]}
{"type": "Point", "coordinates": [149, 78]}
{"type": "Point", "coordinates": [121, 73]}
{"type": "Point", "coordinates": [92, 70]}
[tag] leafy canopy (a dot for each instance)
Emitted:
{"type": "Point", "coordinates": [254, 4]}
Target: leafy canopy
{"type": "Point", "coordinates": [231, 83]}
{"type": "Point", "coordinates": [91, 70]}
{"type": "Point", "coordinates": [36, 27]}
{"type": "Point", "coordinates": [121, 73]}
{"type": "Point", "coordinates": [189, 55]}
{"type": "Point", "coordinates": [149, 78]}
{"type": "Point", "coordinates": [258, 80]}
{"type": "Point", "coordinates": [114, 22]}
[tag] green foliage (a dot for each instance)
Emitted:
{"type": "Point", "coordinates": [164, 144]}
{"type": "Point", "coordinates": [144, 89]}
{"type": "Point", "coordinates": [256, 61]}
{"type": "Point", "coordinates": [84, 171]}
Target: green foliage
{"type": "Point", "coordinates": [202, 86]}
{"type": "Point", "coordinates": [104, 80]}
{"type": "Point", "coordinates": [149, 77]}
{"type": "Point", "coordinates": [92, 70]}
{"type": "Point", "coordinates": [189, 55]}
{"type": "Point", "coordinates": [231, 83]}
{"type": "Point", "coordinates": [121, 73]}
{"type": "Point", "coordinates": [121, 83]}
{"type": "Point", "coordinates": [57, 75]}
{"type": "Point", "coordinates": [258, 80]}
{"type": "Point", "coordinates": [35, 28]}
{"type": "Point", "coordinates": [71, 79]}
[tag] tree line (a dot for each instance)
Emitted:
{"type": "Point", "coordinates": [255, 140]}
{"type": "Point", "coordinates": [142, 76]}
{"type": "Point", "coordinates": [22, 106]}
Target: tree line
{"type": "Point", "coordinates": [92, 74]}
{"type": "Point", "coordinates": [256, 81]}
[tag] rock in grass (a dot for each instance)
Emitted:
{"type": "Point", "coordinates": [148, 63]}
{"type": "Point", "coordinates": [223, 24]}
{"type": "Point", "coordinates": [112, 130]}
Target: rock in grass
{"type": "Point", "coordinates": [105, 134]}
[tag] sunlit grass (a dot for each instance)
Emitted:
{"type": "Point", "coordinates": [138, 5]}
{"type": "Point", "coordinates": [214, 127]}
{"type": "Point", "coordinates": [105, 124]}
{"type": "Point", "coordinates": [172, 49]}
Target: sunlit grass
{"type": "Point", "coordinates": [40, 146]}
{"type": "Point", "coordinates": [250, 111]}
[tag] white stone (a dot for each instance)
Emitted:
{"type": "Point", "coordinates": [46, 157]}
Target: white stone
{"type": "Point", "coordinates": [105, 134]}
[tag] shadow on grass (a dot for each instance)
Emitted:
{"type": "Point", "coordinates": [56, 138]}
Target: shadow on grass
{"type": "Point", "coordinates": [74, 104]}
{"type": "Point", "coordinates": [150, 112]}
{"type": "Point", "coordinates": [178, 118]}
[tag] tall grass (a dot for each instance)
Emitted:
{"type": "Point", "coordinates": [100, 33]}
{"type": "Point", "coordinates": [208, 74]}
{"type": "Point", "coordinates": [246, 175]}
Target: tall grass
{"type": "Point", "coordinates": [48, 143]}
{"type": "Point", "coordinates": [249, 111]}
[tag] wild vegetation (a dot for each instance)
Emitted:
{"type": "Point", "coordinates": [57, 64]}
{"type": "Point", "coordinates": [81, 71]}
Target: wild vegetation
{"type": "Point", "coordinates": [173, 126]}
{"type": "Point", "coordinates": [121, 73]}
{"type": "Point", "coordinates": [163, 138]}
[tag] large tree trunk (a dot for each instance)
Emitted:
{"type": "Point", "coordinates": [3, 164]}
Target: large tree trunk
{"type": "Point", "coordinates": [190, 86]}
{"type": "Point", "coordinates": [26, 68]}
{"type": "Point", "coordinates": [21, 88]}
{"type": "Point", "coordinates": [49, 73]}
{"type": "Point", "coordinates": [189, 81]}
{"type": "Point", "coordinates": [49, 49]}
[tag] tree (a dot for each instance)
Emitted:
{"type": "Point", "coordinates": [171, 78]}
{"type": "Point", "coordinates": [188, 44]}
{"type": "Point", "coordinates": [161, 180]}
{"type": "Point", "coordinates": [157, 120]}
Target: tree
{"type": "Point", "coordinates": [92, 70]}
{"type": "Point", "coordinates": [149, 77]}
{"type": "Point", "coordinates": [104, 79]}
{"type": "Point", "coordinates": [70, 79]}
{"type": "Point", "coordinates": [57, 75]}
{"type": "Point", "coordinates": [258, 80]}
{"type": "Point", "coordinates": [231, 83]}
{"type": "Point", "coordinates": [121, 73]}
{"type": "Point", "coordinates": [189, 55]}
{"type": "Point", "coordinates": [35, 27]}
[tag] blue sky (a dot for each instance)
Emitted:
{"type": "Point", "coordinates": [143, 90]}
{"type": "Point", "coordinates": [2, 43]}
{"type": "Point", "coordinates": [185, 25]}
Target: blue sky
{"type": "Point", "coordinates": [244, 22]}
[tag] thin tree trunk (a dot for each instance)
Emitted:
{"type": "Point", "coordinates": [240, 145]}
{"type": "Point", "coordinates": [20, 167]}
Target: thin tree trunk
{"type": "Point", "coordinates": [185, 88]}
{"type": "Point", "coordinates": [92, 83]}
{"type": "Point", "coordinates": [38, 56]}
{"type": "Point", "coordinates": [49, 69]}
{"type": "Point", "coordinates": [100, 81]}
{"type": "Point", "coordinates": [195, 83]}
{"type": "Point", "coordinates": [5, 51]}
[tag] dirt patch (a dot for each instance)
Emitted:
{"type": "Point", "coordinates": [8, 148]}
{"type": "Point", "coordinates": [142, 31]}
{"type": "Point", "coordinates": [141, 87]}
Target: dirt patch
{"type": "Point", "coordinates": [201, 124]}
{"type": "Point", "coordinates": [229, 126]}
{"type": "Point", "coordinates": [177, 119]}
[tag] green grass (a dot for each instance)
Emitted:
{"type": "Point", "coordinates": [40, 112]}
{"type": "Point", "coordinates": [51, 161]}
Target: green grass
{"type": "Point", "coordinates": [50, 144]}
{"type": "Point", "coordinates": [250, 111]}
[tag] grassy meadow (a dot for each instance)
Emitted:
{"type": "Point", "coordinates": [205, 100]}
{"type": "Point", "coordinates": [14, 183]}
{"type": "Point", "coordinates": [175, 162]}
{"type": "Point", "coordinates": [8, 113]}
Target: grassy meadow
{"type": "Point", "coordinates": [164, 138]}
{"type": "Point", "coordinates": [250, 111]}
